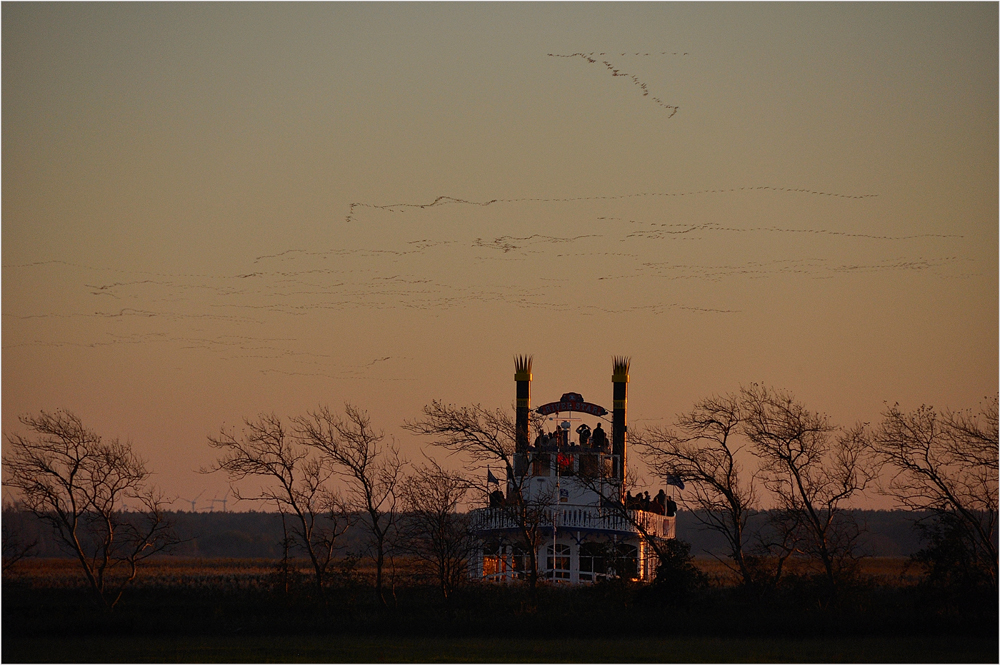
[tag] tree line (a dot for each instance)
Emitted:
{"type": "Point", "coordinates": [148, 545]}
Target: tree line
{"type": "Point", "coordinates": [732, 447]}
{"type": "Point", "coordinates": [258, 534]}
{"type": "Point", "coordinates": [326, 472]}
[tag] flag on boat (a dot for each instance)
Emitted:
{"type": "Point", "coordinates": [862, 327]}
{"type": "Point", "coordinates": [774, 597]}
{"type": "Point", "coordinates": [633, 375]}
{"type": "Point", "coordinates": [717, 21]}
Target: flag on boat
{"type": "Point", "coordinates": [675, 481]}
{"type": "Point", "coordinates": [490, 478]}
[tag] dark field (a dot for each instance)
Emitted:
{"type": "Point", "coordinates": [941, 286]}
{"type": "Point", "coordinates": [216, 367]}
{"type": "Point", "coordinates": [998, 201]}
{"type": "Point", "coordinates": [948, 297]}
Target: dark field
{"type": "Point", "coordinates": [234, 610]}
{"type": "Point", "coordinates": [351, 649]}
{"type": "Point", "coordinates": [187, 572]}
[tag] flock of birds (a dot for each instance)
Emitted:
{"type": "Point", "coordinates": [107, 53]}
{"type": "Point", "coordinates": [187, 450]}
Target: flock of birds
{"type": "Point", "coordinates": [446, 200]}
{"type": "Point", "coordinates": [616, 71]}
{"type": "Point", "coordinates": [816, 268]}
{"type": "Point", "coordinates": [266, 312]}
{"type": "Point", "coordinates": [259, 314]}
{"type": "Point", "coordinates": [267, 317]}
{"type": "Point", "coordinates": [656, 231]}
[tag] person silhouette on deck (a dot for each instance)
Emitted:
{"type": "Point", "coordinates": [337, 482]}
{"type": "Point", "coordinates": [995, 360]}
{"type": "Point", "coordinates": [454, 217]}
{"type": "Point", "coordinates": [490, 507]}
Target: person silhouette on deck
{"type": "Point", "coordinates": [600, 438]}
{"type": "Point", "coordinates": [660, 503]}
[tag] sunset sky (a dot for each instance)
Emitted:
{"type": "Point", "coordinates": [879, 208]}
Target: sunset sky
{"type": "Point", "coordinates": [211, 211]}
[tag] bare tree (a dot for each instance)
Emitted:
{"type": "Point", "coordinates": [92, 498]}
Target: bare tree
{"type": "Point", "coordinates": [702, 452]}
{"type": "Point", "coordinates": [77, 483]}
{"type": "Point", "coordinates": [432, 530]}
{"type": "Point", "coordinates": [297, 485]}
{"type": "Point", "coordinates": [488, 437]}
{"type": "Point", "coordinates": [813, 470]}
{"type": "Point", "coordinates": [947, 464]}
{"type": "Point", "coordinates": [371, 469]}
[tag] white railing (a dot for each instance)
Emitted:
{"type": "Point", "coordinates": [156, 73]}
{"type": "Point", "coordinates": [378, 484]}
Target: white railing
{"type": "Point", "coordinates": [581, 517]}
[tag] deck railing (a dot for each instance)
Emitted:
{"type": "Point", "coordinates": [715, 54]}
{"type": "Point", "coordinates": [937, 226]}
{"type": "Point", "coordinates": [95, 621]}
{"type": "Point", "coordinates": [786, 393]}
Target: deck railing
{"type": "Point", "coordinates": [581, 517]}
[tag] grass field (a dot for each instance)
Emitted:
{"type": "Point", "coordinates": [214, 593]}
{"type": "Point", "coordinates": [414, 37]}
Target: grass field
{"type": "Point", "coordinates": [340, 649]}
{"type": "Point", "coordinates": [173, 571]}
{"type": "Point", "coordinates": [890, 570]}
{"type": "Point", "coordinates": [228, 610]}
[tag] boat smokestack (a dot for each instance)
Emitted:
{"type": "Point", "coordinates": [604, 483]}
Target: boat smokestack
{"type": "Point", "coordinates": [522, 375]}
{"type": "Point", "coordinates": [619, 427]}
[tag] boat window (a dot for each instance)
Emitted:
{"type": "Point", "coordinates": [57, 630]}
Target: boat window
{"type": "Point", "coordinates": [593, 564]}
{"type": "Point", "coordinates": [559, 562]}
{"type": "Point", "coordinates": [540, 464]}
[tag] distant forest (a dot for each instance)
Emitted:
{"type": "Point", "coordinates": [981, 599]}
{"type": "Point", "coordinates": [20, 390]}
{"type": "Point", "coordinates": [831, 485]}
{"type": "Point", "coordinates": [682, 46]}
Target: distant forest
{"type": "Point", "coordinates": [888, 533]}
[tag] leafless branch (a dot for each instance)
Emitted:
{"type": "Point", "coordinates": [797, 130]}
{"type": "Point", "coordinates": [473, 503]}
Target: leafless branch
{"type": "Point", "coordinates": [295, 483]}
{"type": "Point", "coordinates": [948, 464]}
{"type": "Point", "coordinates": [371, 468]}
{"type": "Point", "coordinates": [77, 483]}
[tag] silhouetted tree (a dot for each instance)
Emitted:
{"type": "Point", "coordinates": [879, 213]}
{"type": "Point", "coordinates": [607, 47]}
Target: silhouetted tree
{"type": "Point", "coordinates": [371, 469]}
{"type": "Point", "coordinates": [948, 464]}
{"type": "Point", "coordinates": [297, 485]}
{"type": "Point", "coordinates": [701, 450]}
{"type": "Point", "coordinates": [813, 469]}
{"type": "Point", "coordinates": [76, 482]}
{"type": "Point", "coordinates": [432, 530]}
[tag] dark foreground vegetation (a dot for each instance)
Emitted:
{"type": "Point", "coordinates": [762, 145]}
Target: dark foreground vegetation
{"type": "Point", "coordinates": [366, 649]}
{"type": "Point", "coordinates": [192, 610]}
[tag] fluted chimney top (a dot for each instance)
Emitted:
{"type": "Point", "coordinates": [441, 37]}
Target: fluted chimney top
{"type": "Point", "coordinates": [620, 369]}
{"type": "Point", "coordinates": [522, 368]}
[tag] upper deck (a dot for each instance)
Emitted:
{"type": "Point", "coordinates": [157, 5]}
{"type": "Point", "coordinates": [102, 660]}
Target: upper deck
{"type": "Point", "coordinates": [567, 461]}
{"type": "Point", "coordinates": [574, 488]}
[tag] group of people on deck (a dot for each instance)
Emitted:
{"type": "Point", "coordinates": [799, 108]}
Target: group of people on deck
{"type": "Point", "coordinates": [559, 439]}
{"type": "Point", "coordinates": [661, 504]}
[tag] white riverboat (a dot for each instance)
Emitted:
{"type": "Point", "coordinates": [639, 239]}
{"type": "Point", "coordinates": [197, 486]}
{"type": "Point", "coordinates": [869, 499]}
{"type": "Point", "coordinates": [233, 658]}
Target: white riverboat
{"type": "Point", "coordinates": [565, 498]}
